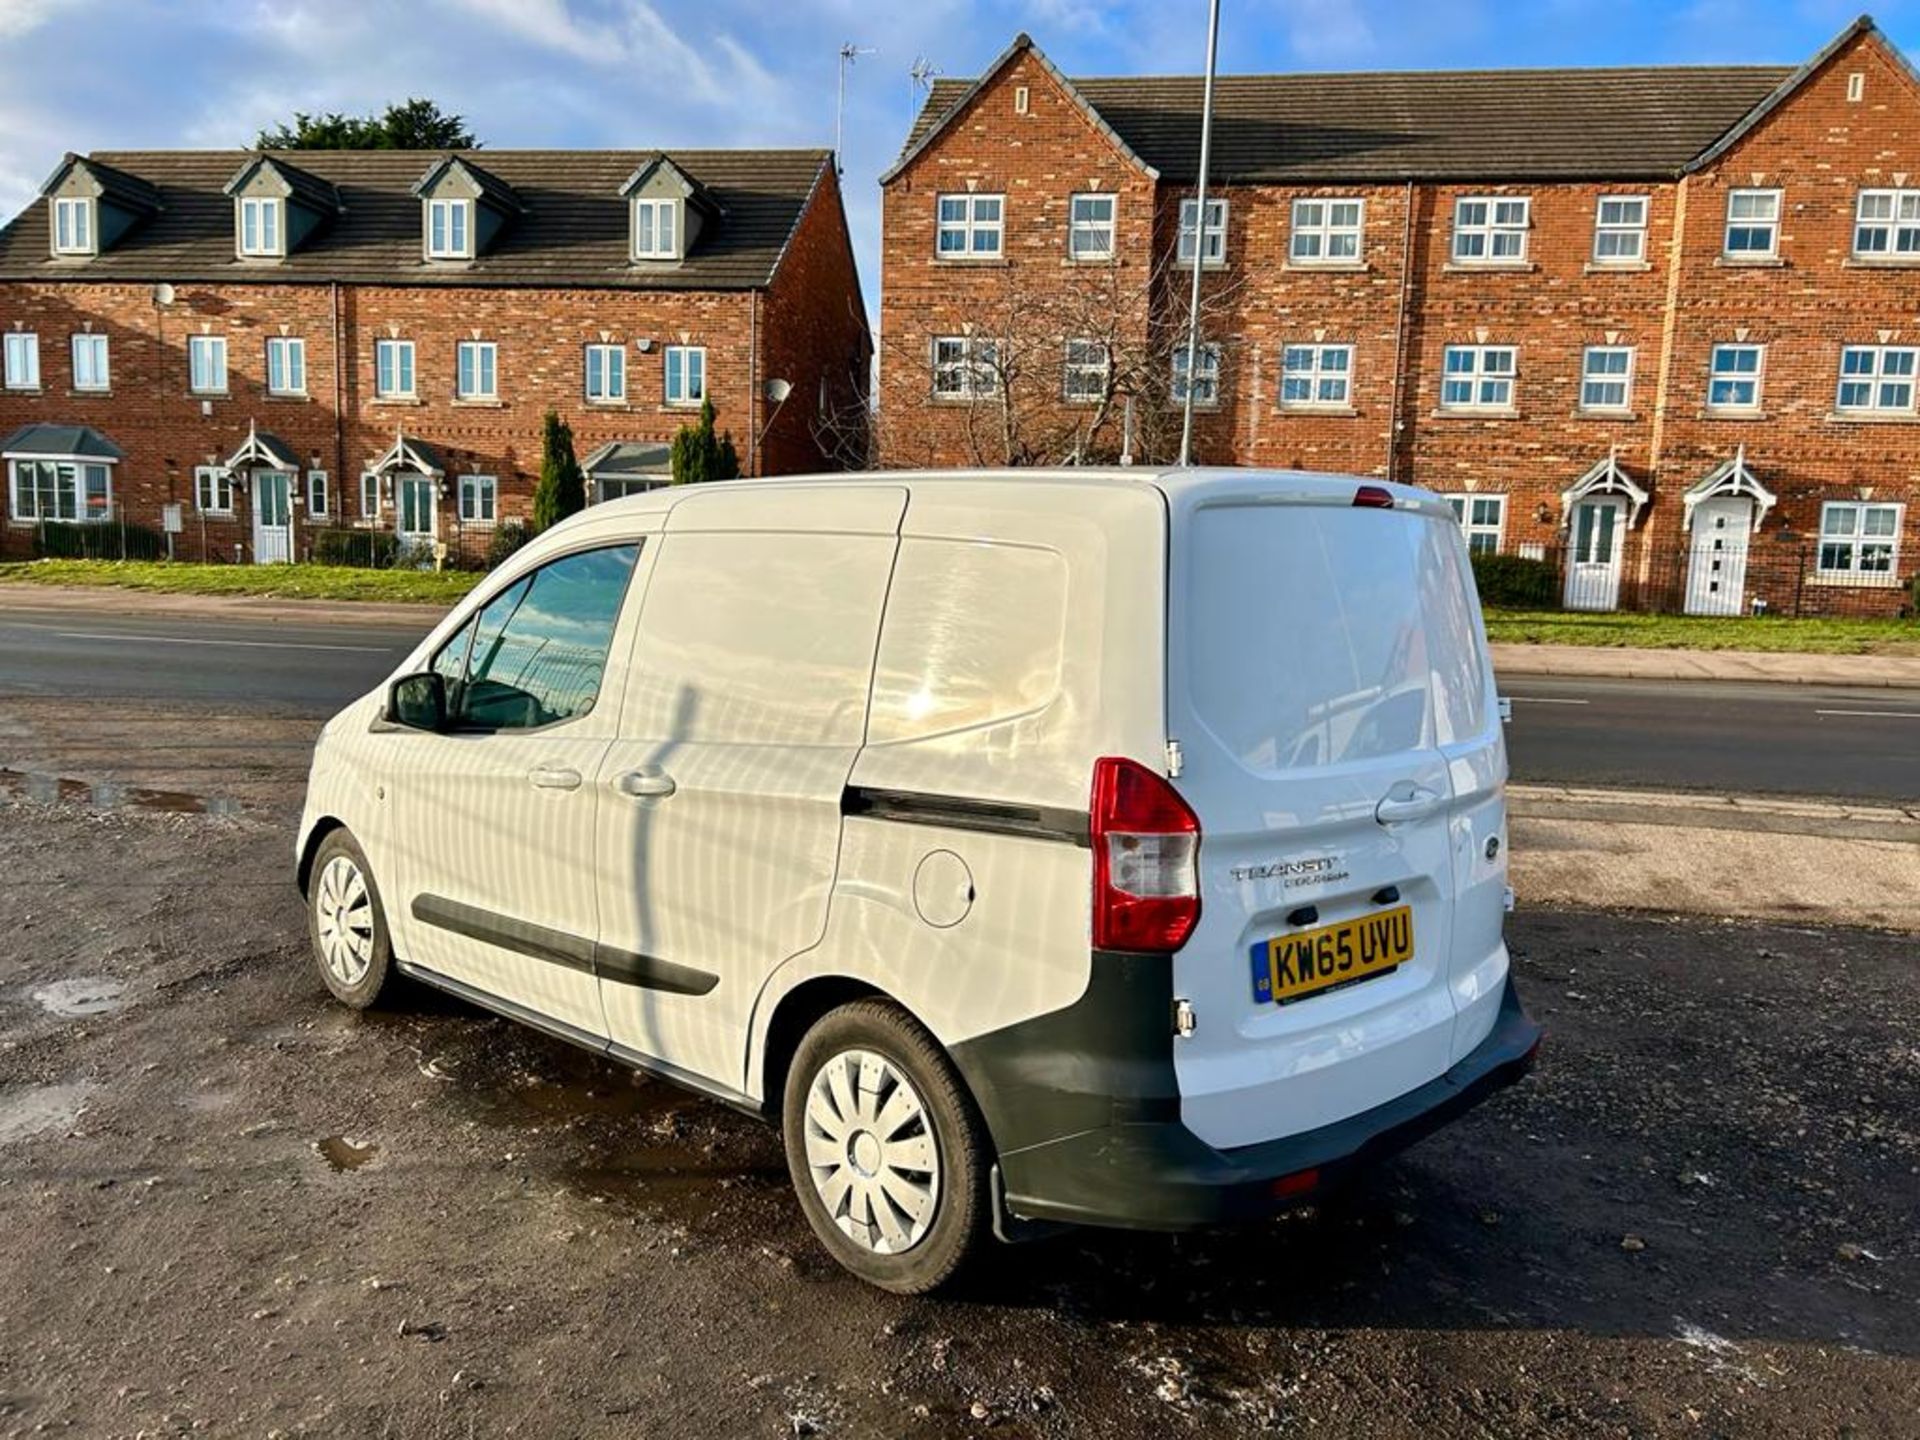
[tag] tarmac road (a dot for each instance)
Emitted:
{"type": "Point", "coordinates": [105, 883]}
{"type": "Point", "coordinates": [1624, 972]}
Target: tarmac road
{"type": "Point", "coordinates": [1678, 735]}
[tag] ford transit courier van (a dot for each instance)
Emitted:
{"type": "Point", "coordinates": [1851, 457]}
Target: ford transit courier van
{"type": "Point", "coordinates": [1120, 848]}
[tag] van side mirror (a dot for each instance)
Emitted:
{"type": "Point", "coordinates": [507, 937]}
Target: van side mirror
{"type": "Point", "coordinates": [418, 702]}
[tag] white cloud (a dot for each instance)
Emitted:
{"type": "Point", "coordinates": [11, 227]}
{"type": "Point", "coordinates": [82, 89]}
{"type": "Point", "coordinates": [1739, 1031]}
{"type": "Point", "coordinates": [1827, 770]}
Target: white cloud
{"type": "Point", "coordinates": [19, 17]}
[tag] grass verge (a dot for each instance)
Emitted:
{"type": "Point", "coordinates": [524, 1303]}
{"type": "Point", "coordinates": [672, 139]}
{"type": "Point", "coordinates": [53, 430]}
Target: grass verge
{"type": "Point", "coordinates": [1703, 632]}
{"type": "Point", "coordinates": [283, 582]}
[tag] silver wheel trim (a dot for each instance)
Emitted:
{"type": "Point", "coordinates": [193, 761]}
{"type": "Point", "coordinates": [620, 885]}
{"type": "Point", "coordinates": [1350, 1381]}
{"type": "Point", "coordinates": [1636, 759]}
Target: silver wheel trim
{"type": "Point", "coordinates": [871, 1152]}
{"type": "Point", "coordinates": [343, 912]}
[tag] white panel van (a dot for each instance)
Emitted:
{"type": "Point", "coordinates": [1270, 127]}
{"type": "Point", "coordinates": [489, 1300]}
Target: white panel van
{"type": "Point", "coordinates": [1109, 848]}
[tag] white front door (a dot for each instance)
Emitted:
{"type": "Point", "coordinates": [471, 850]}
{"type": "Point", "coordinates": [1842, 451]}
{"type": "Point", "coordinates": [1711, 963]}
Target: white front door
{"type": "Point", "coordinates": [1595, 539]}
{"type": "Point", "coordinates": [1717, 562]}
{"type": "Point", "coordinates": [272, 517]}
{"type": "Point", "coordinates": [415, 503]}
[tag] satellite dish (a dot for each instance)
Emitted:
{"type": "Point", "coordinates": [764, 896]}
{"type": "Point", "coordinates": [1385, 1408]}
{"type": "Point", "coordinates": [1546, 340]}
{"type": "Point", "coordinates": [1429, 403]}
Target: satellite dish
{"type": "Point", "coordinates": [778, 390]}
{"type": "Point", "coordinates": [163, 294]}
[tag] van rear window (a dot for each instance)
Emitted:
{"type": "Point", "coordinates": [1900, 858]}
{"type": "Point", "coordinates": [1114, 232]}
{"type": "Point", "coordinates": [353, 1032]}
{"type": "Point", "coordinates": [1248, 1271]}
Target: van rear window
{"type": "Point", "coordinates": [1321, 636]}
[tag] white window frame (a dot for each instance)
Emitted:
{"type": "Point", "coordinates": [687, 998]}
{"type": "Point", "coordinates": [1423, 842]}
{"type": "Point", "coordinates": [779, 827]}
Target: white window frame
{"type": "Point", "coordinates": [207, 357]}
{"type": "Point", "coordinates": [1618, 231]}
{"type": "Point", "coordinates": [286, 362]}
{"type": "Point", "coordinates": [1088, 236]}
{"type": "Point", "coordinates": [1490, 223]}
{"type": "Point", "coordinates": [22, 350]}
{"type": "Point", "coordinates": [1086, 366]}
{"type": "Point", "coordinates": [75, 472]}
{"type": "Point", "coordinates": [1898, 230]}
{"type": "Point", "coordinates": [92, 340]}
{"type": "Point", "coordinates": [1207, 396]}
{"type": "Point", "coordinates": [1592, 381]}
{"type": "Point", "coordinates": [1854, 541]}
{"type": "Point", "coordinates": [1770, 223]}
{"type": "Point", "coordinates": [441, 215]}
{"type": "Point", "coordinates": [691, 389]}
{"type": "Point", "coordinates": [1755, 377]}
{"type": "Point", "coordinates": [971, 360]}
{"type": "Point", "coordinates": [486, 370]}
{"type": "Point", "coordinates": [1466, 506]}
{"type": "Point", "coordinates": [213, 489]}
{"type": "Point", "coordinates": [981, 236]}
{"type": "Point", "coordinates": [661, 232]}
{"type": "Point", "coordinates": [83, 239]}
{"type": "Point", "coordinates": [268, 217]}
{"type": "Point", "coordinates": [1317, 238]}
{"type": "Point", "coordinates": [1879, 379]}
{"type": "Point", "coordinates": [1481, 378]}
{"type": "Point", "coordinates": [317, 484]}
{"type": "Point", "coordinates": [397, 390]}
{"type": "Point", "coordinates": [612, 358]}
{"type": "Point", "coordinates": [369, 495]}
{"type": "Point", "coordinates": [473, 490]}
{"type": "Point", "coordinates": [1329, 385]}
{"type": "Point", "coordinates": [1213, 244]}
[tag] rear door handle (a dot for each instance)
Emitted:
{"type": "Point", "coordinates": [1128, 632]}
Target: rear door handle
{"type": "Point", "coordinates": [648, 782]}
{"type": "Point", "coordinates": [1408, 802]}
{"type": "Point", "coordinates": [553, 777]}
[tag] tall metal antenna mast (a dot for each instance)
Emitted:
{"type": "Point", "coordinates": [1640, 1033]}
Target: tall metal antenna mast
{"type": "Point", "coordinates": [849, 53]}
{"type": "Point", "coordinates": [1199, 236]}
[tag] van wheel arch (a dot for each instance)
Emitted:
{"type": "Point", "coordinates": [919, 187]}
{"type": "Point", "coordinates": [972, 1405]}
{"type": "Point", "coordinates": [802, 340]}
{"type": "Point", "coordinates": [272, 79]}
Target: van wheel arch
{"type": "Point", "coordinates": [799, 1010]}
{"type": "Point", "coordinates": [303, 873]}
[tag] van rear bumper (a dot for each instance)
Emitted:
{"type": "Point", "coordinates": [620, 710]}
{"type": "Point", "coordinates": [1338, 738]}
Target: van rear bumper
{"type": "Point", "coordinates": [1159, 1175]}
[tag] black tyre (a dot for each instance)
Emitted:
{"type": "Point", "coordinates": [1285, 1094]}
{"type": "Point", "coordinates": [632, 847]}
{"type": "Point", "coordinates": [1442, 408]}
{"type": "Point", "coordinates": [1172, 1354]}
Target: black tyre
{"type": "Point", "coordinates": [887, 1153]}
{"type": "Point", "coordinates": [347, 925]}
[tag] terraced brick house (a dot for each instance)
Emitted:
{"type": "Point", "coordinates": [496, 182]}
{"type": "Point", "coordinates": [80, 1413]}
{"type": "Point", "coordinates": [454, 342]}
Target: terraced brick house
{"type": "Point", "coordinates": [1658, 325]}
{"type": "Point", "coordinates": [274, 354]}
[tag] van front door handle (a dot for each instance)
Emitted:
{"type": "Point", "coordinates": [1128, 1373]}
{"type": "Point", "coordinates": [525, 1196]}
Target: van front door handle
{"type": "Point", "coordinates": [553, 777]}
{"type": "Point", "coordinates": [647, 783]}
{"type": "Point", "coordinates": [1407, 801]}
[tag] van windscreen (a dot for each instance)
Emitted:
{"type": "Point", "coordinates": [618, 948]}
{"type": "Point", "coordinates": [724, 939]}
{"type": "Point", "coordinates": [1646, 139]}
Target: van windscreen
{"type": "Point", "coordinates": [1318, 635]}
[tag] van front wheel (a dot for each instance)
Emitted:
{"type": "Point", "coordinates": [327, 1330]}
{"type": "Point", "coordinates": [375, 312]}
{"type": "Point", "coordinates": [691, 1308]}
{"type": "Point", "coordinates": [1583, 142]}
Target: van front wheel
{"type": "Point", "coordinates": [886, 1150]}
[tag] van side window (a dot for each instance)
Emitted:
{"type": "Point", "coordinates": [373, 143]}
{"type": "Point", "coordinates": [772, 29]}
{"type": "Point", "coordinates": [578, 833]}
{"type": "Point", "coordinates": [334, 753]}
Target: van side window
{"type": "Point", "coordinates": [942, 669]}
{"type": "Point", "coordinates": [535, 653]}
{"type": "Point", "coordinates": [758, 639]}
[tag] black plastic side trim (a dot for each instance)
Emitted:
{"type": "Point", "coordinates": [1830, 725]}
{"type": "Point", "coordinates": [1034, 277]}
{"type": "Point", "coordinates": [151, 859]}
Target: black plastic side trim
{"type": "Point", "coordinates": [956, 812]}
{"type": "Point", "coordinates": [575, 952]}
{"type": "Point", "coordinates": [598, 1044]}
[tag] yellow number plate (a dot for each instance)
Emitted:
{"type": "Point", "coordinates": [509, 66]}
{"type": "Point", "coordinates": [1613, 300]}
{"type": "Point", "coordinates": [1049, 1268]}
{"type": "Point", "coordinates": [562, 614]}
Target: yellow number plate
{"type": "Point", "coordinates": [1289, 966]}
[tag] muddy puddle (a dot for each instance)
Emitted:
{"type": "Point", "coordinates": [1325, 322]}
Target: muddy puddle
{"type": "Point", "coordinates": [81, 998]}
{"type": "Point", "coordinates": [343, 1154]}
{"type": "Point", "coordinates": [45, 789]}
{"type": "Point", "coordinates": [27, 1113]}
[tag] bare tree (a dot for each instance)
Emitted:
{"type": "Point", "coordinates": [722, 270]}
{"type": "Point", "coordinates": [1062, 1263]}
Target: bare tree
{"type": "Point", "coordinates": [1083, 366]}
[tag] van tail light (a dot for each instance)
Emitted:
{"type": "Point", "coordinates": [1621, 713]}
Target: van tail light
{"type": "Point", "coordinates": [1146, 853]}
{"type": "Point", "coordinates": [1373, 497]}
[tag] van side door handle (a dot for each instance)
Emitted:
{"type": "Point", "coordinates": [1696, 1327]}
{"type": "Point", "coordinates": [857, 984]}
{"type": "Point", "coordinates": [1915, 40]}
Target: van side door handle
{"type": "Point", "coordinates": [646, 783]}
{"type": "Point", "coordinates": [1407, 801]}
{"type": "Point", "coordinates": [553, 777]}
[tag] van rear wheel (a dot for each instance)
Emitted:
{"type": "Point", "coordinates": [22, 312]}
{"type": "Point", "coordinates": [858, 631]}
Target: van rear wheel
{"type": "Point", "coordinates": [886, 1151]}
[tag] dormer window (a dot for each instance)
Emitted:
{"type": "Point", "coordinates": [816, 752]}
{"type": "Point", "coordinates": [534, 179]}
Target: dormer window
{"type": "Point", "coordinates": [262, 228]}
{"type": "Point", "coordinates": [656, 233]}
{"type": "Point", "coordinates": [73, 226]}
{"type": "Point", "coordinates": [450, 229]}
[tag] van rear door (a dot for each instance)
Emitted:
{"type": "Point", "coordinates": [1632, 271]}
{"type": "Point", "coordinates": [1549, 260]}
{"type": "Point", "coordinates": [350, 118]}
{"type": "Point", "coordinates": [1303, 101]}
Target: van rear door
{"type": "Point", "coordinates": [1323, 659]}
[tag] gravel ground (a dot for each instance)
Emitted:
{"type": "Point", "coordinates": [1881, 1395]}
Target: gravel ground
{"type": "Point", "coordinates": [228, 1206]}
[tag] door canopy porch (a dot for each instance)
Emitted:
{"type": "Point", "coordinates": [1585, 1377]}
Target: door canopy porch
{"type": "Point", "coordinates": [1605, 478]}
{"type": "Point", "coordinates": [409, 453]}
{"type": "Point", "coordinates": [262, 451]}
{"type": "Point", "coordinates": [1730, 477]}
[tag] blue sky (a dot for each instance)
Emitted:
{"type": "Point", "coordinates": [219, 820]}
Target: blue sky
{"type": "Point", "coordinates": [628, 74]}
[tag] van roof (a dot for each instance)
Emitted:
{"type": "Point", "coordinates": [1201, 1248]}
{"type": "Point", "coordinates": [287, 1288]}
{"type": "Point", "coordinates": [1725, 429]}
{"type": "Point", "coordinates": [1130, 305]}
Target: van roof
{"type": "Point", "coordinates": [1177, 483]}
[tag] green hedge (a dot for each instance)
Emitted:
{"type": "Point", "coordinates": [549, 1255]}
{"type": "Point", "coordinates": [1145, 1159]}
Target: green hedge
{"type": "Point", "coordinates": [508, 536]}
{"type": "Point", "coordinates": [112, 540]}
{"type": "Point", "coordinates": [1515, 582]}
{"type": "Point", "coordinates": [367, 549]}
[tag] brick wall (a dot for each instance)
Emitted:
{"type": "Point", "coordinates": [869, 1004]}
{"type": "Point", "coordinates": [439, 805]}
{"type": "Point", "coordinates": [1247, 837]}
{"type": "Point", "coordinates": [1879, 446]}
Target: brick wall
{"type": "Point", "coordinates": [1407, 301]}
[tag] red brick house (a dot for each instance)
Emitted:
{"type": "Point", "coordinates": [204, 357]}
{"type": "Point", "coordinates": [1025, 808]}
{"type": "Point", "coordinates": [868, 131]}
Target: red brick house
{"type": "Point", "coordinates": [1660, 325]}
{"type": "Point", "coordinates": [274, 349]}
